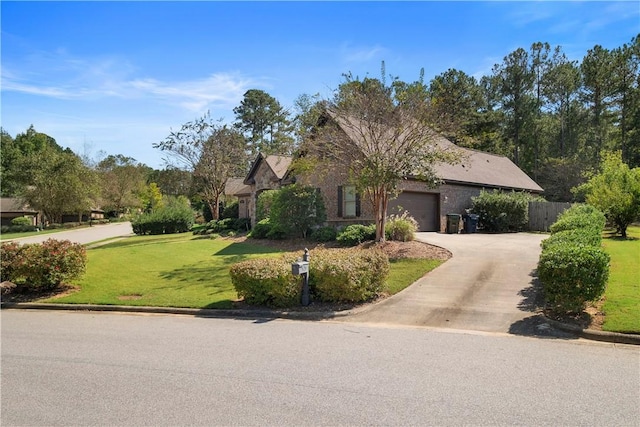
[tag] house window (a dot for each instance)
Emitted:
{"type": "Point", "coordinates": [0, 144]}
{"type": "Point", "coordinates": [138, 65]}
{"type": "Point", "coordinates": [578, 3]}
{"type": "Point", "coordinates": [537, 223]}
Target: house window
{"type": "Point", "coordinates": [348, 202]}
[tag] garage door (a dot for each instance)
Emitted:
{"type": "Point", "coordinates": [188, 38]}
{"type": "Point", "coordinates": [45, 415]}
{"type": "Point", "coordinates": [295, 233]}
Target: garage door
{"type": "Point", "coordinates": [422, 206]}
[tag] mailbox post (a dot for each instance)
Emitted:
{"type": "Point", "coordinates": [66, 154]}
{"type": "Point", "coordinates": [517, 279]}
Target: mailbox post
{"type": "Point", "coordinates": [301, 268]}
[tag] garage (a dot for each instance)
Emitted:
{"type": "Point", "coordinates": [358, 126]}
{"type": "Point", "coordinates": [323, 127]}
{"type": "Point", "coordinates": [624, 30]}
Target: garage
{"type": "Point", "coordinates": [422, 206]}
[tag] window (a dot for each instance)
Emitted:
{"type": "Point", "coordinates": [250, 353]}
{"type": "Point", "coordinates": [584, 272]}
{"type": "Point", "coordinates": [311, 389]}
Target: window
{"type": "Point", "coordinates": [348, 202]}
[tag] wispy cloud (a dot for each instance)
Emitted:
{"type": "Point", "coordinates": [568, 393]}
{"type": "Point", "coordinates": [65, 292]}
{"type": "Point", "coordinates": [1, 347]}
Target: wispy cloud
{"type": "Point", "coordinates": [70, 78]}
{"type": "Point", "coordinates": [352, 54]}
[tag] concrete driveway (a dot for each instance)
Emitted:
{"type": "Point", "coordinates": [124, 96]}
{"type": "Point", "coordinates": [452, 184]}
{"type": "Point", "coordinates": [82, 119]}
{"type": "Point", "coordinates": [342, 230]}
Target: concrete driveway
{"type": "Point", "coordinates": [486, 286]}
{"type": "Point", "coordinates": [84, 235]}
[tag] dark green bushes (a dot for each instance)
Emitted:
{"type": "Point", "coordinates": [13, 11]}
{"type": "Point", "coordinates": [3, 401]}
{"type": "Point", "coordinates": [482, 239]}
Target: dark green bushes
{"type": "Point", "coordinates": [223, 226]}
{"type": "Point", "coordinates": [355, 234]}
{"type": "Point", "coordinates": [171, 219]}
{"type": "Point", "coordinates": [43, 266]}
{"type": "Point", "coordinates": [573, 267]}
{"type": "Point", "coordinates": [501, 211]}
{"type": "Point", "coordinates": [344, 275]}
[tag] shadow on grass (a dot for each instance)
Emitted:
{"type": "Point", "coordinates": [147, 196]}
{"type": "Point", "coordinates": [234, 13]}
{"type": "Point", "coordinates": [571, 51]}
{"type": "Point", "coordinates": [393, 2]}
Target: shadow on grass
{"type": "Point", "coordinates": [245, 249]}
{"type": "Point", "coordinates": [535, 325]}
{"type": "Point", "coordinates": [136, 241]}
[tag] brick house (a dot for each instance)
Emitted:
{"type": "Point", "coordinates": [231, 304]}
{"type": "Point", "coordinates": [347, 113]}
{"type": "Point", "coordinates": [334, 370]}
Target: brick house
{"type": "Point", "coordinates": [429, 206]}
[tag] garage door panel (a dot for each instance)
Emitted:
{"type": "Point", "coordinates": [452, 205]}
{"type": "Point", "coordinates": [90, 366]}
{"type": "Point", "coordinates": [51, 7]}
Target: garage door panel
{"type": "Point", "coordinates": [422, 206]}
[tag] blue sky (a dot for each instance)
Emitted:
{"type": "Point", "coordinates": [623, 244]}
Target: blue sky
{"type": "Point", "coordinates": [116, 77]}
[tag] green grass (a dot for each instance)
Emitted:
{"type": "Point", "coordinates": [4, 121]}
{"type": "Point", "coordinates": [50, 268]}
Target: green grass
{"type": "Point", "coordinates": [622, 296]}
{"type": "Point", "coordinates": [406, 271]}
{"type": "Point", "coordinates": [181, 270]}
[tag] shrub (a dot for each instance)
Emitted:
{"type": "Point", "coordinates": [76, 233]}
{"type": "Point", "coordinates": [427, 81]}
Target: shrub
{"type": "Point", "coordinates": [355, 234]}
{"type": "Point", "coordinates": [173, 218]}
{"type": "Point", "coordinates": [261, 229]}
{"type": "Point", "coordinates": [324, 234]}
{"type": "Point", "coordinates": [572, 275]}
{"type": "Point", "coordinates": [502, 211]}
{"type": "Point", "coordinates": [22, 221]}
{"type": "Point", "coordinates": [242, 224]}
{"type": "Point", "coordinates": [348, 275]}
{"type": "Point", "coordinates": [401, 228]}
{"type": "Point", "coordinates": [231, 210]}
{"type": "Point", "coordinates": [43, 266]}
{"type": "Point", "coordinates": [264, 203]}
{"type": "Point", "coordinates": [296, 208]}
{"type": "Point", "coordinates": [590, 236]}
{"type": "Point", "coordinates": [579, 217]}
{"type": "Point", "coordinates": [266, 281]}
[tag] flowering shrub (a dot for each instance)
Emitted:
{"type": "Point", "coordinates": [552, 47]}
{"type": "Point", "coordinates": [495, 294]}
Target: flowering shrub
{"type": "Point", "coordinates": [43, 266]}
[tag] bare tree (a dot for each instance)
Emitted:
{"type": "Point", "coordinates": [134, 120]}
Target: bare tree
{"type": "Point", "coordinates": [378, 134]}
{"type": "Point", "coordinates": [212, 152]}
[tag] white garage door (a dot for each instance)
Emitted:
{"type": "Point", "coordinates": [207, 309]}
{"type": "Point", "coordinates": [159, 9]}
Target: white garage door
{"type": "Point", "coordinates": [422, 206]}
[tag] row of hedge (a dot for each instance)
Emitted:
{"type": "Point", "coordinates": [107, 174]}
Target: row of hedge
{"type": "Point", "coordinates": [225, 225]}
{"type": "Point", "coordinates": [167, 220]}
{"type": "Point", "coordinates": [399, 227]}
{"type": "Point", "coordinates": [338, 275]}
{"type": "Point", "coordinates": [573, 267]}
{"type": "Point", "coordinates": [502, 211]}
{"type": "Point", "coordinates": [42, 266]}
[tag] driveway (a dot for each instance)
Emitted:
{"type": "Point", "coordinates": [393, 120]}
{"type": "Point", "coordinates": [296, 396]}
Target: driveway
{"type": "Point", "coordinates": [84, 235]}
{"type": "Point", "coordinates": [486, 286]}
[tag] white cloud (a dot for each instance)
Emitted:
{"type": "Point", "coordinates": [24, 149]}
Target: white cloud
{"type": "Point", "coordinates": [360, 54]}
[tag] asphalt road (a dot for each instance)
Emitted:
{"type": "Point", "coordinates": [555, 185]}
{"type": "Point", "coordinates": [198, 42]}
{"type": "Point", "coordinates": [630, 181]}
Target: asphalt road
{"type": "Point", "coordinates": [73, 368]}
{"type": "Point", "coordinates": [84, 235]}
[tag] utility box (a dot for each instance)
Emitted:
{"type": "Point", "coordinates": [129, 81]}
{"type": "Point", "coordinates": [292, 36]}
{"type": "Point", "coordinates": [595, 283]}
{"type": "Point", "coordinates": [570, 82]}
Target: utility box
{"type": "Point", "coordinates": [299, 267]}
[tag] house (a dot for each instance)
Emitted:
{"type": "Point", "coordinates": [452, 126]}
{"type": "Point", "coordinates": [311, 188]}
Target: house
{"type": "Point", "coordinates": [429, 206]}
{"type": "Point", "coordinates": [11, 208]}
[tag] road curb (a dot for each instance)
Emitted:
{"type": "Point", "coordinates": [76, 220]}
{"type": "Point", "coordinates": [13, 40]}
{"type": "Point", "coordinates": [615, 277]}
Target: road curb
{"type": "Point", "coordinates": [591, 334]}
{"type": "Point", "coordinates": [221, 313]}
{"type": "Point", "coordinates": [595, 335]}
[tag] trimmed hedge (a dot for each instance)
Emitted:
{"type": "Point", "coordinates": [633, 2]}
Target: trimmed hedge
{"type": "Point", "coordinates": [42, 266]}
{"type": "Point", "coordinates": [167, 220]}
{"type": "Point", "coordinates": [348, 275]}
{"type": "Point", "coordinates": [573, 267]}
{"type": "Point", "coordinates": [338, 275]}
{"type": "Point", "coordinates": [502, 211]}
{"type": "Point", "coordinates": [266, 281]}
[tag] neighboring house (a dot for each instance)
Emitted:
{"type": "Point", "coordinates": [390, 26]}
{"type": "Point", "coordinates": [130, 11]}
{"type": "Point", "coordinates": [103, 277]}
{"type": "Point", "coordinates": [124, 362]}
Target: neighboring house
{"type": "Point", "coordinates": [11, 208]}
{"type": "Point", "coordinates": [429, 206]}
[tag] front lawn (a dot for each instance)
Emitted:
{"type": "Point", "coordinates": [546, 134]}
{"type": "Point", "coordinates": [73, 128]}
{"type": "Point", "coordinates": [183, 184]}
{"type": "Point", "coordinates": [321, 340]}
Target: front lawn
{"type": "Point", "coordinates": [181, 270]}
{"type": "Point", "coordinates": [622, 296]}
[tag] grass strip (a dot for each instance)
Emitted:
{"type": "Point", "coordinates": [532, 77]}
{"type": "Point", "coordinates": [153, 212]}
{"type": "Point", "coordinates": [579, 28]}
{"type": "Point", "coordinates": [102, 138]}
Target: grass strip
{"type": "Point", "coordinates": [622, 296]}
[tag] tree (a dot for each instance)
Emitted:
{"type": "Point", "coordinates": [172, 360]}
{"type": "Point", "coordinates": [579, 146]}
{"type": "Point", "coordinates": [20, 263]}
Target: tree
{"type": "Point", "coordinates": [122, 181]}
{"type": "Point", "coordinates": [152, 198]}
{"type": "Point", "coordinates": [377, 134]}
{"type": "Point", "coordinates": [615, 190]}
{"type": "Point", "coordinates": [57, 183]}
{"type": "Point", "coordinates": [212, 152]}
{"type": "Point", "coordinates": [297, 208]}
{"type": "Point", "coordinates": [265, 124]}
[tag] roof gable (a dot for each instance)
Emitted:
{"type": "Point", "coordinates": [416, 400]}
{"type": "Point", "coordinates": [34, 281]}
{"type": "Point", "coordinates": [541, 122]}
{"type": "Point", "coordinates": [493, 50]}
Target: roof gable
{"type": "Point", "coordinates": [278, 165]}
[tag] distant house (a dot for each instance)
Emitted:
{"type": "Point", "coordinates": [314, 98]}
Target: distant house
{"type": "Point", "coordinates": [429, 206]}
{"type": "Point", "coordinates": [11, 208]}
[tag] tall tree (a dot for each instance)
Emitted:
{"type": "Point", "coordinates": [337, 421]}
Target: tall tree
{"type": "Point", "coordinates": [378, 135]}
{"type": "Point", "coordinates": [122, 180]}
{"type": "Point", "coordinates": [265, 123]}
{"type": "Point", "coordinates": [455, 99]}
{"type": "Point", "coordinates": [515, 84]}
{"type": "Point", "coordinates": [212, 152]}
{"type": "Point", "coordinates": [58, 183]}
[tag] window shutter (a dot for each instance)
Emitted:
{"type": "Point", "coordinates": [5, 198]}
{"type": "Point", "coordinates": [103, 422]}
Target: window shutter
{"type": "Point", "coordinates": [357, 204]}
{"type": "Point", "coordinates": [339, 201]}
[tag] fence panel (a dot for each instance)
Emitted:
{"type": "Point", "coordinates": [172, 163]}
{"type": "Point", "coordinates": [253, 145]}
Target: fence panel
{"type": "Point", "coordinates": [543, 214]}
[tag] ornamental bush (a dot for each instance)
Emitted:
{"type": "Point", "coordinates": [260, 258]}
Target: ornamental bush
{"type": "Point", "coordinates": [324, 234]}
{"type": "Point", "coordinates": [347, 275]}
{"type": "Point", "coordinates": [579, 217]}
{"type": "Point", "coordinates": [43, 266]}
{"type": "Point", "coordinates": [166, 220]}
{"type": "Point", "coordinates": [355, 234]}
{"type": "Point", "coordinates": [401, 228]}
{"type": "Point", "coordinates": [21, 221]}
{"type": "Point", "coordinates": [589, 236]}
{"type": "Point", "coordinates": [267, 281]}
{"type": "Point", "coordinates": [572, 275]}
{"type": "Point", "coordinates": [502, 211]}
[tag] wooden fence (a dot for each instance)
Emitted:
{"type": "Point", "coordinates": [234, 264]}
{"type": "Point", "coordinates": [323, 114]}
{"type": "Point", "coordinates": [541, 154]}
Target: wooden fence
{"type": "Point", "coordinates": [543, 214]}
